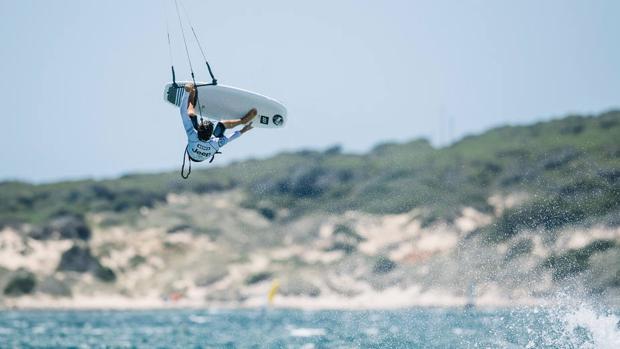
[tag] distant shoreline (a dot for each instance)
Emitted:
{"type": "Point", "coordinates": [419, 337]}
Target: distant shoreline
{"type": "Point", "coordinates": [293, 303]}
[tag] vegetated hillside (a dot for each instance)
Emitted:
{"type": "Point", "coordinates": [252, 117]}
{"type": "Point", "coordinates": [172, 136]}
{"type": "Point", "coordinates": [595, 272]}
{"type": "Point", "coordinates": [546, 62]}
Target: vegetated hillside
{"type": "Point", "coordinates": [570, 166]}
{"type": "Point", "coordinates": [517, 211]}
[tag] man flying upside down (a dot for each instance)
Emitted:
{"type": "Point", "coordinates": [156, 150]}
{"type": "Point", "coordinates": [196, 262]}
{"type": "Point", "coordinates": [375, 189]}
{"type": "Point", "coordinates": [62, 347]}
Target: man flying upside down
{"type": "Point", "coordinates": [204, 139]}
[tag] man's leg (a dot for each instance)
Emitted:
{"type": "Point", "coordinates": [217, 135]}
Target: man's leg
{"type": "Point", "coordinates": [244, 120]}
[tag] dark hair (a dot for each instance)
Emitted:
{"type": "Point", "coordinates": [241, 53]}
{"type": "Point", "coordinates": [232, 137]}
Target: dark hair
{"type": "Point", "coordinates": [205, 130]}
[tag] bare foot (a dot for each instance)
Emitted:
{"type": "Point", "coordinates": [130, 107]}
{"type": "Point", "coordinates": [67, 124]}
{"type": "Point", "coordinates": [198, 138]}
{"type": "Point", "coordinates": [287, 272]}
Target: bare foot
{"type": "Point", "coordinates": [189, 87]}
{"type": "Point", "coordinates": [249, 116]}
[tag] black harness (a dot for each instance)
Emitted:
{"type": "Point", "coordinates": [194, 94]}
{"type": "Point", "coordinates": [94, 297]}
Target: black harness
{"type": "Point", "coordinates": [190, 159]}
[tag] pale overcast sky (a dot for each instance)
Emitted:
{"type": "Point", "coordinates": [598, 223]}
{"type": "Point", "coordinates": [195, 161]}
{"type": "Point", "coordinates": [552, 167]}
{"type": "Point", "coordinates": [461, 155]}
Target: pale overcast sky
{"type": "Point", "coordinates": [81, 91]}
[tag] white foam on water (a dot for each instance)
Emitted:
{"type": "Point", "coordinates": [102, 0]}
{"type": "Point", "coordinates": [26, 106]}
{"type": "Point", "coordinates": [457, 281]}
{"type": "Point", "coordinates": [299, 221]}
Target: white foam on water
{"type": "Point", "coordinates": [602, 329]}
{"type": "Point", "coordinates": [458, 331]}
{"type": "Point", "coordinates": [198, 319]}
{"type": "Point", "coordinates": [575, 319]}
{"type": "Point", "coordinates": [371, 331]}
{"type": "Point", "coordinates": [307, 332]}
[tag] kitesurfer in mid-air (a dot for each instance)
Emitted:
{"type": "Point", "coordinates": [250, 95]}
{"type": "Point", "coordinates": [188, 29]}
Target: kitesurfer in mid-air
{"type": "Point", "coordinates": [204, 139]}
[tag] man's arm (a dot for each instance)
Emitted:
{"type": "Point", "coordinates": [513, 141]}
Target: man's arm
{"type": "Point", "coordinates": [191, 101]}
{"type": "Point", "coordinates": [185, 118]}
{"type": "Point", "coordinates": [237, 134]}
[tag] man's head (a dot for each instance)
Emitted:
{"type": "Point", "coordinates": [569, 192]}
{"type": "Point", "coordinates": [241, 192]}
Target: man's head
{"type": "Point", "coordinates": [205, 130]}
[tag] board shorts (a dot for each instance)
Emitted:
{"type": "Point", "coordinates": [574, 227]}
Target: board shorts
{"type": "Point", "coordinates": [219, 130]}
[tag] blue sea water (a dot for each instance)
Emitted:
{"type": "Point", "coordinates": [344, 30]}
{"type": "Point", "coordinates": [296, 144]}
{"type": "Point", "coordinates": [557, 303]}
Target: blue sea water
{"type": "Point", "coordinates": [276, 328]}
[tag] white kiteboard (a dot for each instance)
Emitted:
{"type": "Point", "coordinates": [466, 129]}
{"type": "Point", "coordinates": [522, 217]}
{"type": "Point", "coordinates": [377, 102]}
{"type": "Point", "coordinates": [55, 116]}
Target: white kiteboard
{"type": "Point", "coordinates": [224, 102]}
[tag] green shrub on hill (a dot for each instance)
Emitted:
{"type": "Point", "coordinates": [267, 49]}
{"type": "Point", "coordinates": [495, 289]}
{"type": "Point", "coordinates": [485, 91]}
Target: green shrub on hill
{"type": "Point", "coordinates": [571, 167]}
{"type": "Point", "coordinates": [258, 277]}
{"type": "Point", "coordinates": [575, 261]}
{"type": "Point", "coordinates": [21, 282]}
